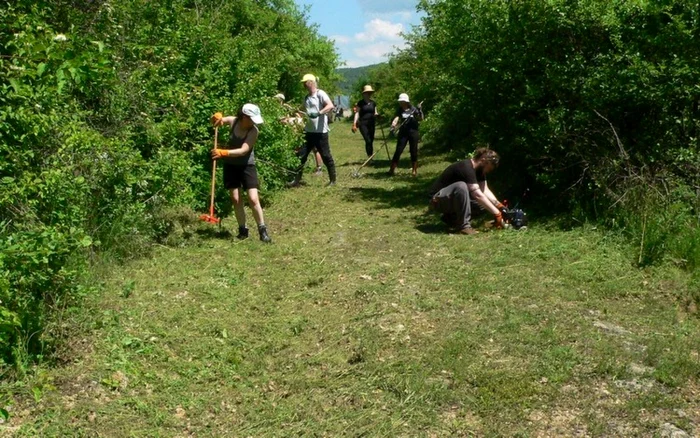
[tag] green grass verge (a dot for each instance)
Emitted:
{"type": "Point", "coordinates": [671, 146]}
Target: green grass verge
{"type": "Point", "coordinates": [364, 318]}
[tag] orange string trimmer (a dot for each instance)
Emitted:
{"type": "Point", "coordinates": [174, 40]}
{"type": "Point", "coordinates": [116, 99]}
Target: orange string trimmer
{"type": "Point", "coordinates": [210, 217]}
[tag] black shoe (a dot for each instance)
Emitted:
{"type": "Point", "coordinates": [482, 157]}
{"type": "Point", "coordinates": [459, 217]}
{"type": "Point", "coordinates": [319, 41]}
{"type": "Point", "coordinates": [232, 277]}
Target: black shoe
{"type": "Point", "coordinates": [263, 234]}
{"type": "Point", "coordinates": [242, 233]}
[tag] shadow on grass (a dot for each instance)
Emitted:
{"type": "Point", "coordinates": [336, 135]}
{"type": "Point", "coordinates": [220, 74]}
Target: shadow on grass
{"type": "Point", "coordinates": [213, 232]}
{"type": "Point", "coordinates": [434, 226]}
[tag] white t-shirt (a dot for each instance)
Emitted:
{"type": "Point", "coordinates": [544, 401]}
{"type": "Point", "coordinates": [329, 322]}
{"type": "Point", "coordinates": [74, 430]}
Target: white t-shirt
{"type": "Point", "coordinates": [315, 103]}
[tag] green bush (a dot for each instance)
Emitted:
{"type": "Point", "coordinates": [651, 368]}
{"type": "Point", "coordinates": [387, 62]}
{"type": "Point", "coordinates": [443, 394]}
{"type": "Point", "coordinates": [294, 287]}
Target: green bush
{"type": "Point", "coordinates": [580, 99]}
{"type": "Point", "coordinates": [104, 130]}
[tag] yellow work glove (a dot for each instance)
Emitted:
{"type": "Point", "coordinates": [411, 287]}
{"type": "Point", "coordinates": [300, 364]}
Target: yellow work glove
{"type": "Point", "coordinates": [219, 153]}
{"type": "Point", "coordinates": [216, 119]}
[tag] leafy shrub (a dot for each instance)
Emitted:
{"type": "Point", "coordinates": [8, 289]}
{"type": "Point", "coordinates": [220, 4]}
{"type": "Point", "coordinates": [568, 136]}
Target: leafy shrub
{"type": "Point", "coordinates": [587, 102]}
{"type": "Point", "coordinates": [104, 130]}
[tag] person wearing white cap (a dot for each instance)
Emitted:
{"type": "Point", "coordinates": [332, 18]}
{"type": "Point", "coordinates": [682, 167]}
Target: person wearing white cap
{"type": "Point", "coordinates": [407, 132]}
{"type": "Point", "coordinates": [366, 115]}
{"type": "Point", "coordinates": [318, 105]}
{"type": "Point", "coordinates": [239, 165]}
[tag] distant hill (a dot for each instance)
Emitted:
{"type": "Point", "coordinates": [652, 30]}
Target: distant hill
{"type": "Point", "coordinates": [352, 75]}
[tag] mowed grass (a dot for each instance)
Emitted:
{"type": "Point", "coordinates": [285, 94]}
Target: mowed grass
{"type": "Point", "coordinates": [365, 318]}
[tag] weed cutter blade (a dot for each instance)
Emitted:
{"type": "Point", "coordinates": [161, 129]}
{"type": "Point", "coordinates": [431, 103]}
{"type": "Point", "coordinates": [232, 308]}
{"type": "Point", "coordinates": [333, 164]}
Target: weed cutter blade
{"type": "Point", "coordinates": [209, 218]}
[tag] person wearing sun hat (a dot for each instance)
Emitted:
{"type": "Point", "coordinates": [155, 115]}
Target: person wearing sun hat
{"type": "Point", "coordinates": [238, 160]}
{"type": "Point", "coordinates": [366, 115]}
{"type": "Point", "coordinates": [409, 116]}
{"type": "Point", "coordinates": [317, 105]}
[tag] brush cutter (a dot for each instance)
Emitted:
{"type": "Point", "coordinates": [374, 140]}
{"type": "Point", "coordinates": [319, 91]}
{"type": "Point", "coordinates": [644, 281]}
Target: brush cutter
{"type": "Point", "coordinates": [210, 217]}
{"type": "Point", "coordinates": [417, 109]}
{"type": "Point", "coordinates": [356, 173]}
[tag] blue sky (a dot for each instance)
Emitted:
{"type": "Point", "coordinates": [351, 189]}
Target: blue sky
{"type": "Point", "coordinates": [364, 31]}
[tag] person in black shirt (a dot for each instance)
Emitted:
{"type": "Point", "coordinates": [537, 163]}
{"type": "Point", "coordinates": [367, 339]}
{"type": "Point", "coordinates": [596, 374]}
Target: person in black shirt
{"type": "Point", "coordinates": [407, 132]}
{"type": "Point", "coordinates": [461, 187]}
{"type": "Point", "coordinates": [366, 116]}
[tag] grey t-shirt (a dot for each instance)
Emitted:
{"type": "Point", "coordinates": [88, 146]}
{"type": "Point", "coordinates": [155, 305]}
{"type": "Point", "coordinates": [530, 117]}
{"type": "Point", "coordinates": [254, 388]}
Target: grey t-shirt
{"type": "Point", "coordinates": [236, 143]}
{"type": "Point", "coordinates": [315, 103]}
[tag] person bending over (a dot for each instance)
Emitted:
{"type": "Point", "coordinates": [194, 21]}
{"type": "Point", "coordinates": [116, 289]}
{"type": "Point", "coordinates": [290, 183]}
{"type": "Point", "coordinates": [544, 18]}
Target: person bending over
{"type": "Point", "coordinates": [462, 187]}
{"type": "Point", "coordinates": [239, 165]}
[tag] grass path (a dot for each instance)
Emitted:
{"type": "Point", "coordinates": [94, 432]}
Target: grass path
{"type": "Point", "coordinates": [365, 319]}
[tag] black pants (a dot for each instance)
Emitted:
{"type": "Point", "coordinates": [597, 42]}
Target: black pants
{"type": "Point", "coordinates": [320, 143]}
{"type": "Point", "coordinates": [411, 137]}
{"type": "Point", "coordinates": [367, 131]}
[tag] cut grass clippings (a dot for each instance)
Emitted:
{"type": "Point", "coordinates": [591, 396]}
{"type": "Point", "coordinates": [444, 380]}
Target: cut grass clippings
{"type": "Point", "coordinates": [365, 318]}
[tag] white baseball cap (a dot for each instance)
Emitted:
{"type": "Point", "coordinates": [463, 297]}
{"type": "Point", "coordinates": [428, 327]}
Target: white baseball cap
{"type": "Point", "coordinates": [253, 112]}
{"type": "Point", "coordinates": [403, 97]}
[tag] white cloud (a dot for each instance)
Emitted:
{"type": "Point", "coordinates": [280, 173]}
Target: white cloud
{"type": "Point", "coordinates": [377, 52]}
{"type": "Point", "coordinates": [352, 63]}
{"type": "Point", "coordinates": [380, 36]}
{"type": "Point", "coordinates": [340, 39]}
{"type": "Point", "coordinates": [378, 29]}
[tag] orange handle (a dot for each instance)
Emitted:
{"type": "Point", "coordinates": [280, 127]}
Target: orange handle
{"type": "Point", "coordinates": [213, 174]}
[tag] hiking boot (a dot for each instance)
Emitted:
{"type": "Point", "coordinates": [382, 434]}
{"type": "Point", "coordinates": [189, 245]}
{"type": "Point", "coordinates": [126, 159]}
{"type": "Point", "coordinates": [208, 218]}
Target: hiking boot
{"type": "Point", "coordinates": [242, 232]}
{"type": "Point", "coordinates": [468, 230]}
{"type": "Point", "coordinates": [330, 184]}
{"type": "Point", "coordinates": [262, 229]}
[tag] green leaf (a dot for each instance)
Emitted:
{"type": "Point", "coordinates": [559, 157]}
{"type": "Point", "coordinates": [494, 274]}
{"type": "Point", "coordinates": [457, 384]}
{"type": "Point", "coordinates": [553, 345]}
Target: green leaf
{"type": "Point", "coordinates": [86, 241]}
{"type": "Point", "coordinates": [36, 391]}
{"type": "Point", "coordinates": [40, 69]}
{"type": "Point", "coordinates": [15, 85]}
{"type": "Point", "coordinates": [100, 45]}
{"type": "Point", "coordinates": [4, 414]}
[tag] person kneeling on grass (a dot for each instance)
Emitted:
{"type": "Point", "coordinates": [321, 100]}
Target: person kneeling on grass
{"type": "Point", "coordinates": [462, 187]}
{"type": "Point", "coordinates": [239, 165]}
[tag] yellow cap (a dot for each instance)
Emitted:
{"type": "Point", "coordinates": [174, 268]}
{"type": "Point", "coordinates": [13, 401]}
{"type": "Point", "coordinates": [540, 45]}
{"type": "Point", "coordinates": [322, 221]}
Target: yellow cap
{"type": "Point", "coordinates": [308, 77]}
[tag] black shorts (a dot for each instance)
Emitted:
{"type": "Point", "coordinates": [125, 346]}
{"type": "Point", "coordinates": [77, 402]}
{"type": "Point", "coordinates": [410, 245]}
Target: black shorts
{"type": "Point", "coordinates": [236, 176]}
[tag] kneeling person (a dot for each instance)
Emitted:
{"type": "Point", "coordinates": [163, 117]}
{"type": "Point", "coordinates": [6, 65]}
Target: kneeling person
{"type": "Point", "coordinates": [462, 187]}
{"type": "Point", "coordinates": [239, 165]}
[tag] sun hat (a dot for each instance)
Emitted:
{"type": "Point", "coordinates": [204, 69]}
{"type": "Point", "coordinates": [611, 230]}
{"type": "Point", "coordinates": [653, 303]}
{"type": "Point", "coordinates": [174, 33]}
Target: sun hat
{"type": "Point", "coordinates": [280, 96]}
{"type": "Point", "coordinates": [368, 89]}
{"type": "Point", "coordinates": [253, 112]}
{"type": "Point", "coordinates": [308, 77]}
{"type": "Point", "coordinates": [403, 97]}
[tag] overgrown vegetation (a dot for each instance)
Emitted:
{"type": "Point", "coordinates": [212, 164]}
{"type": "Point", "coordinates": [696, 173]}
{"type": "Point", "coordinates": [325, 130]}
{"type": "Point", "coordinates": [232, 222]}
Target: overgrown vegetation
{"type": "Point", "coordinates": [594, 104]}
{"type": "Point", "coordinates": [366, 319]}
{"type": "Point", "coordinates": [104, 110]}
